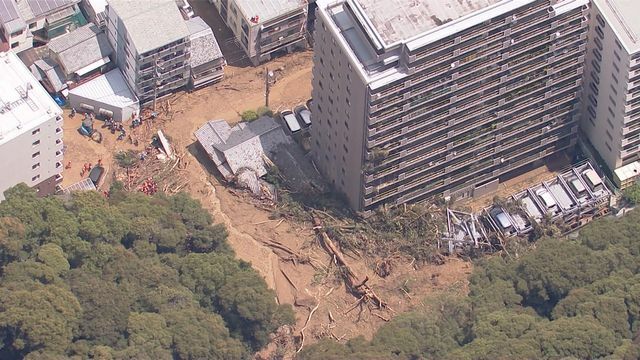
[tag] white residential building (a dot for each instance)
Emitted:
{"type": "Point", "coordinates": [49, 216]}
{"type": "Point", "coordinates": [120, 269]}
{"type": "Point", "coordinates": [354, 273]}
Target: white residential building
{"type": "Point", "coordinates": [30, 130]}
{"type": "Point", "coordinates": [264, 28]}
{"type": "Point", "coordinates": [611, 103]}
{"type": "Point", "coordinates": [151, 45]}
{"type": "Point", "coordinates": [415, 99]}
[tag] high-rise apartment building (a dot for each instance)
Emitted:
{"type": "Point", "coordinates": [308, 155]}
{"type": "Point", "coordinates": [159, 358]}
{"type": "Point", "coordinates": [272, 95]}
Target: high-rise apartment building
{"type": "Point", "coordinates": [30, 130]}
{"type": "Point", "coordinates": [151, 45]}
{"type": "Point", "coordinates": [611, 103]}
{"type": "Point", "coordinates": [413, 99]}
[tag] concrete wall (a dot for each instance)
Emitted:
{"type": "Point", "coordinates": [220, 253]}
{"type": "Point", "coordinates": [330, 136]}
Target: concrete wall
{"type": "Point", "coordinates": [338, 110]}
{"type": "Point", "coordinates": [24, 160]}
{"type": "Point", "coordinates": [603, 109]}
{"type": "Point", "coordinates": [119, 114]}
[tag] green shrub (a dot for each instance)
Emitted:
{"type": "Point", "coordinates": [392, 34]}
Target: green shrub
{"type": "Point", "coordinates": [265, 111]}
{"type": "Point", "coordinates": [249, 115]}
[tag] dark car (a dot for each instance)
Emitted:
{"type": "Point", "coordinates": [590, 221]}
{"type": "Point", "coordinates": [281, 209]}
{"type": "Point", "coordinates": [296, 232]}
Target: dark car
{"type": "Point", "coordinates": [303, 114]}
{"type": "Point", "coordinates": [96, 175]}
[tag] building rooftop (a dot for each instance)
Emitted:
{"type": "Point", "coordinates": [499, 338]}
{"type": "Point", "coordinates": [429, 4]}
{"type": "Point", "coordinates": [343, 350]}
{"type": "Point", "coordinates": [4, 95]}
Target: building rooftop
{"type": "Point", "coordinates": [398, 20]}
{"type": "Point", "coordinates": [110, 88]}
{"type": "Point", "coordinates": [24, 103]}
{"type": "Point", "coordinates": [204, 47]}
{"type": "Point", "coordinates": [623, 15]}
{"type": "Point", "coordinates": [80, 48]}
{"type": "Point", "coordinates": [268, 9]}
{"type": "Point", "coordinates": [45, 7]}
{"type": "Point", "coordinates": [241, 146]}
{"type": "Point", "coordinates": [628, 171]}
{"type": "Point", "coordinates": [8, 11]}
{"type": "Point", "coordinates": [151, 24]}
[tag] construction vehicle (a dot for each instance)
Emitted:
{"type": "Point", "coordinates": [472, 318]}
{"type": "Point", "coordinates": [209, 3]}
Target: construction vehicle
{"type": "Point", "coordinates": [87, 129]}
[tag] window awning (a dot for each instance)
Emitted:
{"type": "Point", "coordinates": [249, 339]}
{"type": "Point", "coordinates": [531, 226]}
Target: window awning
{"type": "Point", "coordinates": [93, 66]}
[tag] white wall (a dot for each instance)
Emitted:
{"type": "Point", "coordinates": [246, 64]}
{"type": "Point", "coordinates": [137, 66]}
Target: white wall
{"type": "Point", "coordinates": [17, 160]}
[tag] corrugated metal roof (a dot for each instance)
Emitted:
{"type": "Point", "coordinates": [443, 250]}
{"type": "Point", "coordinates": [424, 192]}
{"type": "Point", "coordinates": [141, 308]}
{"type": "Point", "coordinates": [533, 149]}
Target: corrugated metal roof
{"type": "Point", "coordinates": [44, 7]}
{"type": "Point", "coordinates": [8, 11]}
{"type": "Point", "coordinates": [110, 88]}
{"type": "Point", "coordinates": [269, 9]}
{"type": "Point", "coordinates": [81, 47]}
{"type": "Point", "coordinates": [151, 24]}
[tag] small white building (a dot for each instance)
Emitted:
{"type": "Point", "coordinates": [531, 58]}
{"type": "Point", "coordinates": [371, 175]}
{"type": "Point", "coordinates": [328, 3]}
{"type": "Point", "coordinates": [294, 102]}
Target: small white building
{"type": "Point", "coordinates": [30, 130]}
{"type": "Point", "coordinates": [108, 96]}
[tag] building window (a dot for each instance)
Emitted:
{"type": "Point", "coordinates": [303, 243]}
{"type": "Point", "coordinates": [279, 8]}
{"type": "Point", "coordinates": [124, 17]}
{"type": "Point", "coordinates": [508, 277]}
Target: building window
{"type": "Point", "coordinates": [612, 101]}
{"type": "Point", "coordinates": [58, 130]}
{"type": "Point", "coordinates": [593, 101]}
{"type": "Point", "coordinates": [594, 88]}
{"type": "Point", "coordinates": [610, 123]}
{"type": "Point", "coordinates": [614, 89]}
{"type": "Point", "coordinates": [611, 112]}
{"type": "Point", "coordinates": [598, 43]}
{"type": "Point", "coordinates": [600, 32]}
{"type": "Point", "coordinates": [618, 44]}
{"type": "Point", "coordinates": [617, 56]}
{"type": "Point", "coordinates": [15, 45]}
{"type": "Point", "coordinates": [595, 77]}
{"type": "Point", "coordinates": [36, 143]}
{"type": "Point", "coordinates": [596, 65]}
{"type": "Point", "coordinates": [35, 166]}
{"type": "Point", "coordinates": [58, 141]}
{"type": "Point", "coordinates": [609, 135]}
{"type": "Point", "coordinates": [600, 20]}
{"type": "Point", "coordinates": [35, 178]}
{"type": "Point", "coordinates": [591, 111]}
{"type": "Point", "coordinates": [591, 121]}
{"type": "Point", "coordinates": [36, 131]}
{"type": "Point", "coordinates": [608, 146]}
{"type": "Point", "coordinates": [35, 154]}
{"type": "Point", "coordinates": [597, 54]}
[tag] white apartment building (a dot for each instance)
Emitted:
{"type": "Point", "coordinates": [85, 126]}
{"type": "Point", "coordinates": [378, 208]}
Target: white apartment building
{"type": "Point", "coordinates": [611, 103]}
{"type": "Point", "coordinates": [415, 99]}
{"type": "Point", "coordinates": [30, 130]}
{"type": "Point", "coordinates": [151, 45]}
{"type": "Point", "coordinates": [264, 28]}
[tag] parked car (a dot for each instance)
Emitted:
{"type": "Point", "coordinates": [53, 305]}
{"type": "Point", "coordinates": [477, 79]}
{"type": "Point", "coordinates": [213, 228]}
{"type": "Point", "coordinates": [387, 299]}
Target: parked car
{"type": "Point", "coordinates": [185, 9]}
{"type": "Point", "coordinates": [303, 114]}
{"type": "Point", "coordinates": [290, 120]}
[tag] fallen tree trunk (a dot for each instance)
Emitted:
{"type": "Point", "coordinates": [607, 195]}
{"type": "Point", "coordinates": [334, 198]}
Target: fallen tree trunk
{"type": "Point", "coordinates": [357, 287]}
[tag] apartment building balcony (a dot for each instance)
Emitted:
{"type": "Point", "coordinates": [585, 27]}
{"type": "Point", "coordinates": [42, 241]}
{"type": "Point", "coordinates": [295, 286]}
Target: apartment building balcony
{"type": "Point", "coordinates": [168, 51]}
{"type": "Point", "coordinates": [266, 47]}
{"type": "Point", "coordinates": [457, 141]}
{"type": "Point", "coordinates": [633, 150]}
{"type": "Point", "coordinates": [481, 171]}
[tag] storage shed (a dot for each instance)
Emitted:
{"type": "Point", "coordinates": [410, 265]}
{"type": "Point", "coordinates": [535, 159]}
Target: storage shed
{"type": "Point", "coordinates": [106, 96]}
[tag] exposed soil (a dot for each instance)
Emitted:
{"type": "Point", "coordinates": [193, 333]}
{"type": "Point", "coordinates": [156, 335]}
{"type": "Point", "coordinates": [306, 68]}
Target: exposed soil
{"type": "Point", "coordinates": [250, 227]}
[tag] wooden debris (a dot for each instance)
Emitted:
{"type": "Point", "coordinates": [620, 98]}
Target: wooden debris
{"type": "Point", "coordinates": [357, 287]}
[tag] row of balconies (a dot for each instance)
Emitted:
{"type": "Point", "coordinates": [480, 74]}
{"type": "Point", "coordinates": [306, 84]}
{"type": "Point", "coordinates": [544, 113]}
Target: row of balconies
{"type": "Point", "coordinates": [472, 165]}
{"type": "Point", "coordinates": [495, 123]}
{"type": "Point", "coordinates": [474, 31]}
{"type": "Point", "coordinates": [492, 167]}
{"type": "Point", "coordinates": [427, 82]}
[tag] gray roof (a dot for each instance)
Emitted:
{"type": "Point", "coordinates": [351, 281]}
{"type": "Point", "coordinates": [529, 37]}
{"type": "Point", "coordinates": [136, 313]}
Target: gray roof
{"type": "Point", "coordinates": [269, 9]}
{"type": "Point", "coordinates": [45, 7]}
{"type": "Point", "coordinates": [81, 47]}
{"type": "Point", "coordinates": [8, 11]}
{"type": "Point", "coordinates": [622, 15]}
{"type": "Point", "coordinates": [110, 88]}
{"type": "Point", "coordinates": [241, 146]}
{"type": "Point", "coordinates": [151, 24]}
{"type": "Point", "coordinates": [397, 20]}
{"type": "Point", "coordinates": [204, 47]}
{"type": "Point", "coordinates": [49, 69]}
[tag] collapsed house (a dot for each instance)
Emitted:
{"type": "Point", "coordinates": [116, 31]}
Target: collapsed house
{"type": "Point", "coordinates": [571, 199]}
{"type": "Point", "coordinates": [243, 146]}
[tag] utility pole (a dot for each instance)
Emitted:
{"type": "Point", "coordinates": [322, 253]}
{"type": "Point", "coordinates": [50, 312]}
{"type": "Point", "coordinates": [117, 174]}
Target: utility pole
{"type": "Point", "coordinates": [267, 84]}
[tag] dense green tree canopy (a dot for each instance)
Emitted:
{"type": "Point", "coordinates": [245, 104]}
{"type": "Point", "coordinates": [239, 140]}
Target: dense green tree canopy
{"type": "Point", "coordinates": [133, 277]}
{"type": "Point", "coordinates": [565, 299]}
